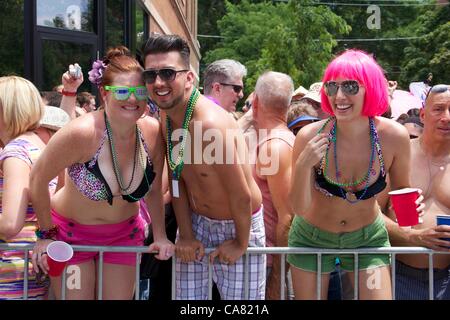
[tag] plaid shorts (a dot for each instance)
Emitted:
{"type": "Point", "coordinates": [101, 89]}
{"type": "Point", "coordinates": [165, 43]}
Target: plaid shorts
{"type": "Point", "coordinates": [192, 278]}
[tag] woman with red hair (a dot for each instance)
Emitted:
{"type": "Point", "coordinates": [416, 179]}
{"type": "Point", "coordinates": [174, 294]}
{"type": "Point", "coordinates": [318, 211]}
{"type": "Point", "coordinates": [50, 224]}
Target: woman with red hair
{"type": "Point", "coordinates": [340, 164]}
{"type": "Point", "coordinates": [114, 158]}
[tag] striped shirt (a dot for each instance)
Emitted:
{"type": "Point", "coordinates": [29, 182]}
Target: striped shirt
{"type": "Point", "coordinates": [12, 261]}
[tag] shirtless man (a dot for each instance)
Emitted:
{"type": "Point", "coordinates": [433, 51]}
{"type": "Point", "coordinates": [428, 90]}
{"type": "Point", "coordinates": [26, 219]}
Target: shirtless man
{"type": "Point", "coordinates": [271, 101]}
{"type": "Point", "coordinates": [216, 204]}
{"type": "Point", "coordinates": [430, 154]}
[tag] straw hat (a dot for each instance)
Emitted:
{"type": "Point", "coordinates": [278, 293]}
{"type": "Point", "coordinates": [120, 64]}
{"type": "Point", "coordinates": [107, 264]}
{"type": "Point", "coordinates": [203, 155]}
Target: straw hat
{"type": "Point", "coordinates": [299, 92]}
{"type": "Point", "coordinates": [314, 92]}
{"type": "Point", "coordinates": [54, 118]}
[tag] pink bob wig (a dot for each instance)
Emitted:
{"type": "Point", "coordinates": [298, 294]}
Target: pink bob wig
{"type": "Point", "coordinates": [358, 65]}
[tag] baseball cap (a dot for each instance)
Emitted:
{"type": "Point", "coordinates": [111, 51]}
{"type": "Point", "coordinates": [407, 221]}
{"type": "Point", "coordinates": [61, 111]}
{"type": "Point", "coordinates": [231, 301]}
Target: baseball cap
{"type": "Point", "coordinates": [304, 117]}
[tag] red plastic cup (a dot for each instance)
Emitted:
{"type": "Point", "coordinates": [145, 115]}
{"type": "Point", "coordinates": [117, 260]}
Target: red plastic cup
{"type": "Point", "coordinates": [404, 203]}
{"type": "Point", "coordinates": [58, 254]}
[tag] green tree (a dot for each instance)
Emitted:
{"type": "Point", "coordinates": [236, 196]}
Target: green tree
{"type": "Point", "coordinates": [296, 38]}
{"type": "Point", "coordinates": [431, 52]}
{"type": "Point", "coordinates": [12, 38]}
{"type": "Point", "coordinates": [395, 23]}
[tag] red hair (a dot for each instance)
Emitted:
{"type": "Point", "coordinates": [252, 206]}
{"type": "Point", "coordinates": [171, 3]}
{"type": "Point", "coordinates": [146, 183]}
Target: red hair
{"type": "Point", "coordinates": [119, 60]}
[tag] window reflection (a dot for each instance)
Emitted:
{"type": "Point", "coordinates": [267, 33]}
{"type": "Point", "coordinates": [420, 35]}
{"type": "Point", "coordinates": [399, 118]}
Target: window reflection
{"type": "Point", "coordinates": [115, 26]}
{"type": "Point", "coordinates": [140, 17]}
{"type": "Point", "coordinates": [66, 14]}
{"type": "Point", "coordinates": [57, 55]}
{"type": "Point", "coordinates": [11, 38]}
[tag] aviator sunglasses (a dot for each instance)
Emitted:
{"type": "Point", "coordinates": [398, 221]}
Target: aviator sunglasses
{"type": "Point", "coordinates": [122, 93]}
{"type": "Point", "coordinates": [236, 88]}
{"type": "Point", "coordinates": [165, 74]}
{"type": "Point", "coordinates": [348, 87]}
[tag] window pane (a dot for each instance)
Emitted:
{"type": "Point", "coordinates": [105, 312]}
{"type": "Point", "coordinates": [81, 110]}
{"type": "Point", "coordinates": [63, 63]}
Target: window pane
{"type": "Point", "coordinates": [66, 14]}
{"type": "Point", "coordinates": [12, 38]}
{"type": "Point", "coordinates": [140, 17]}
{"type": "Point", "coordinates": [115, 23]}
{"type": "Point", "coordinates": [57, 55]}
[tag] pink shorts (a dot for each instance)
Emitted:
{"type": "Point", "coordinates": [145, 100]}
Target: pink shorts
{"type": "Point", "coordinates": [127, 233]}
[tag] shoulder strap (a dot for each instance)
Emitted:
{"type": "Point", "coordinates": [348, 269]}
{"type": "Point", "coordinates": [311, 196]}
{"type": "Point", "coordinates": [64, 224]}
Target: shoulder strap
{"type": "Point", "coordinates": [97, 153]}
{"type": "Point", "coordinates": [145, 145]}
{"type": "Point", "coordinates": [285, 136]}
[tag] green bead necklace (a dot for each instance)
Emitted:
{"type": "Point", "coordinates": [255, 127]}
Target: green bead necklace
{"type": "Point", "coordinates": [115, 160]}
{"type": "Point", "coordinates": [177, 166]}
{"type": "Point", "coordinates": [359, 181]}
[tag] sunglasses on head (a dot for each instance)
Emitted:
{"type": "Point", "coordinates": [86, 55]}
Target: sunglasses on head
{"type": "Point", "coordinates": [439, 88]}
{"type": "Point", "coordinates": [236, 88]}
{"type": "Point", "coordinates": [348, 87]}
{"type": "Point", "coordinates": [122, 93]}
{"type": "Point", "coordinates": [165, 74]}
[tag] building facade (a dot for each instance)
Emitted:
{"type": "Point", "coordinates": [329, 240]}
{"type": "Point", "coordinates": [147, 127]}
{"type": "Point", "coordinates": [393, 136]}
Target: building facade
{"type": "Point", "coordinates": [40, 38]}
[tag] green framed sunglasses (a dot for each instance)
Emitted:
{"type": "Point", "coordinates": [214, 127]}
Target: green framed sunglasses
{"type": "Point", "coordinates": [122, 93]}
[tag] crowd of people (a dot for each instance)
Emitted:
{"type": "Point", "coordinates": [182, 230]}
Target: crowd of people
{"type": "Point", "coordinates": [160, 164]}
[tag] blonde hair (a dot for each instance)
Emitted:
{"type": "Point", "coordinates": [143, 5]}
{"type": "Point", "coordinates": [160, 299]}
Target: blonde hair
{"type": "Point", "coordinates": [21, 105]}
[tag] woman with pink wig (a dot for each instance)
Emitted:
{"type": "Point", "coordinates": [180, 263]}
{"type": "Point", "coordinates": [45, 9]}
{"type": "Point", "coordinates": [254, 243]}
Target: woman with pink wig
{"type": "Point", "coordinates": [340, 164]}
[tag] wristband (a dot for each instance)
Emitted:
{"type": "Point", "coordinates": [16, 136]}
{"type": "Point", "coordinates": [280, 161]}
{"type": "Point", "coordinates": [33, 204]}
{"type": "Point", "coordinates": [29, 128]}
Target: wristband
{"type": "Point", "coordinates": [69, 94]}
{"type": "Point", "coordinates": [47, 234]}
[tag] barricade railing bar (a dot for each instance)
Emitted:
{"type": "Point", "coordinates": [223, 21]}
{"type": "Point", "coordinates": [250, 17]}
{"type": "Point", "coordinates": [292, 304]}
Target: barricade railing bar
{"type": "Point", "coordinates": [283, 251]}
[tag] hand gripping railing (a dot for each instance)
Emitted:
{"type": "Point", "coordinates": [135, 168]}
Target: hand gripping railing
{"type": "Point", "coordinates": [393, 251]}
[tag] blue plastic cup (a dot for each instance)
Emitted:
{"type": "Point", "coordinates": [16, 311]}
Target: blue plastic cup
{"type": "Point", "coordinates": [443, 220]}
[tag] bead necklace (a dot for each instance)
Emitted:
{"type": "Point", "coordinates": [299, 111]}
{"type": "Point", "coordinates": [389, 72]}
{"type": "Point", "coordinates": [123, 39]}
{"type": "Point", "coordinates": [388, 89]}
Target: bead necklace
{"type": "Point", "coordinates": [371, 163]}
{"type": "Point", "coordinates": [115, 160]}
{"type": "Point", "coordinates": [375, 147]}
{"type": "Point", "coordinates": [143, 166]}
{"type": "Point", "coordinates": [338, 174]}
{"type": "Point", "coordinates": [325, 124]}
{"type": "Point", "coordinates": [177, 166]}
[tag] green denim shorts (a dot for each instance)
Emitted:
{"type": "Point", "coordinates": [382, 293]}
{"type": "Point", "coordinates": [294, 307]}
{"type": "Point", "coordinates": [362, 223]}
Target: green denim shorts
{"type": "Point", "coordinates": [304, 234]}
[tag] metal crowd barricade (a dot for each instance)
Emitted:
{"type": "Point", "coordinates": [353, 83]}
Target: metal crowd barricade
{"type": "Point", "coordinates": [100, 249]}
{"type": "Point", "coordinates": [283, 251]}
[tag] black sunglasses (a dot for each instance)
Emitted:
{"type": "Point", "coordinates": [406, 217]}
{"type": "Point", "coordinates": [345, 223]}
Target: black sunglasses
{"type": "Point", "coordinates": [439, 88]}
{"type": "Point", "coordinates": [165, 74]}
{"type": "Point", "coordinates": [236, 88]}
{"type": "Point", "coordinates": [348, 87]}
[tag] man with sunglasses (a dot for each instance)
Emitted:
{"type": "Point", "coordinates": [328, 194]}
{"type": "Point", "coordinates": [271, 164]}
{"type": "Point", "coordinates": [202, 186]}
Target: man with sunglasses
{"type": "Point", "coordinates": [223, 83]}
{"type": "Point", "coordinates": [430, 157]}
{"type": "Point", "coordinates": [217, 203]}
